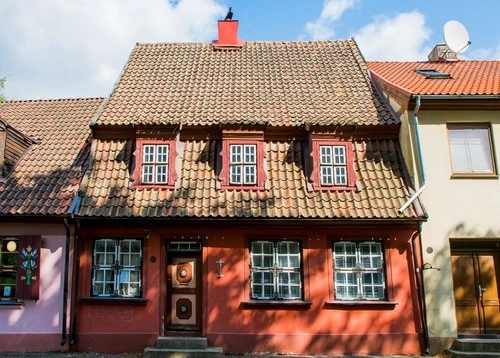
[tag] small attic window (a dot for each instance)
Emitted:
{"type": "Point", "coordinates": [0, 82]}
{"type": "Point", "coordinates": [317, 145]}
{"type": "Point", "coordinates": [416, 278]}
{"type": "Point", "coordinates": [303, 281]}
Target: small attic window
{"type": "Point", "coordinates": [432, 73]}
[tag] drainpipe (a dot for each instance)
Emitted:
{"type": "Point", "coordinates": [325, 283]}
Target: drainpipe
{"type": "Point", "coordinates": [76, 284]}
{"type": "Point", "coordinates": [65, 287]}
{"type": "Point", "coordinates": [419, 151]}
{"type": "Point", "coordinates": [420, 291]}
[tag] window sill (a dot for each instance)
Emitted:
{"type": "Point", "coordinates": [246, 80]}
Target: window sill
{"type": "Point", "coordinates": [361, 304]}
{"type": "Point", "coordinates": [116, 301]}
{"type": "Point", "coordinates": [276, 304]}
{"type": "Point", "coordinates": [474, 176]}
{"type": "Point", "coordinates": [16, 305]}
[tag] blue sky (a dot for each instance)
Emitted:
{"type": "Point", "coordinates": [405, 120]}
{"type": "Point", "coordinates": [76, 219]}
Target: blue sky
{"type": "Point", "coordinates": [77, 48]}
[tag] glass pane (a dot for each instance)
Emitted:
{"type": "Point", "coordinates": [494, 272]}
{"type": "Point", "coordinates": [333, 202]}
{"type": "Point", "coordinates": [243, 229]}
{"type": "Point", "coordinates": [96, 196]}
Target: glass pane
{"type": "Point", "coordinates": [373, 285]}
{"type": "Point", "coordinates": [262, 254]}
{"type": "Point", "coordinates": [340, 176]}
{"type": "Point", "coordinates": [250, 176]}
{"type": "Point", "coordinates": [250, 151]}
{"type": "Point", "coordinates": [235, 174]}
{"type": "Point", "coordinates": [470, 150]}
{"type": "Point", "coordinates": [236, 154]}
{"type": "Point", "coordinates": [8, 284]}
{"type": "Point", "coordinates": [148, 154]}
{"type": "Point", "coordinates": [326, 175]}
{"type": "Point", "coordinates": [344, 255]}
{"type": "Point", "coordinates": [9, 251]}
{"type": "Point", "coordinates": [161, 173]}
{"type": "Point", "coordinates": [262, 285]}
{"type": "Point", "coordinates": [339, 157]}
{"type": "Point", "coordinates": [147, 173]}
{"type": "Point", "coordinates": [346, 286]}
{"type": "Point", "coordinates": [162, 154]}
{"type": "Point", "coordinates": [325, 154]}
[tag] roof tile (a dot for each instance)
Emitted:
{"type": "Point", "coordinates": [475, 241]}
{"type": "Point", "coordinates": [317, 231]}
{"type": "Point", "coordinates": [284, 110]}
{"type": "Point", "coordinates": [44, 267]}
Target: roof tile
{"type": "Point", "coordinates": [467, 77]}
{"type": "Point", "coordinates": [46, 178]}
{"type": "Point", "coordinates": [271, 83]}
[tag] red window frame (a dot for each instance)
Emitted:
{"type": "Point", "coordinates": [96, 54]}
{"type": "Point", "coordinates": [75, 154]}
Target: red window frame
{"type": "Point", "coordinates": [316, 173]}
{"type": "Point", "coordinates": [138, 154]}
{"type": "Point", "coordinates": [225, 174]}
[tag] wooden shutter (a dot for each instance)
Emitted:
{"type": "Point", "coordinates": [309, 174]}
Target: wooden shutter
{"type": "Point", "coordinates": [28, 268]}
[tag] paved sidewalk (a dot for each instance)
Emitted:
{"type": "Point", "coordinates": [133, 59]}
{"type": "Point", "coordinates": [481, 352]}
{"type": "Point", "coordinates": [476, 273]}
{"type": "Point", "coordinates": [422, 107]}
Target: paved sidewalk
{"type": "Point", "coordinates": [256, 355]}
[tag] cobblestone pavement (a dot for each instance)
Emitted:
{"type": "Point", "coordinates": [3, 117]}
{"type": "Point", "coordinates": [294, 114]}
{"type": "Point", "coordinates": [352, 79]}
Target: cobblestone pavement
{"type": "Point", "coordinates": [257, 355]}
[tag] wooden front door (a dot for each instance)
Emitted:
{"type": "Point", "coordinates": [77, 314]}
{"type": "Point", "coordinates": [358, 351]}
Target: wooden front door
{"type": "Point", "coordinates": [184, 291]}
{"type": "Point", "coordinates": [476, 277]}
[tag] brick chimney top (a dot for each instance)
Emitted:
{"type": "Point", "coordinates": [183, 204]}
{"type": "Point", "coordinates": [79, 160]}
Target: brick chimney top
{"type": "Point", "coordinates": [228, 35]}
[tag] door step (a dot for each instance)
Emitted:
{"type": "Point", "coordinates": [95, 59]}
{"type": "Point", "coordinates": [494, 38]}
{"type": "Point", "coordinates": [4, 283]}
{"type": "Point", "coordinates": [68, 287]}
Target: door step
{"type": "Point", "coordinates": [474, 347]}
{"type": "Point", "coordinates": [182, 347]}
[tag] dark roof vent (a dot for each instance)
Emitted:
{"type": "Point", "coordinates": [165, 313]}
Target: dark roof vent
{"type": "Point", "coordinates": [432, 73]}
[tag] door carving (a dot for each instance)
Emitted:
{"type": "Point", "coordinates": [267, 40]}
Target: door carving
{"type": "Point", "coordinates": [183, 291]}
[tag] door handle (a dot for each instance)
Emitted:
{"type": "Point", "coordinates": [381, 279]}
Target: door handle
{"type": "Point", "coordinates": [481, 290]}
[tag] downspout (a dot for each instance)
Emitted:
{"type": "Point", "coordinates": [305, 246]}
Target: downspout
{"type": "Point", "coordinates": [65, 287]}
{"type": "Point", "coordinates": [419, 151]}
{"type": "Point", "coordinates": [420, 291]}
{"type": "Point", "coordinates": [76, 284]}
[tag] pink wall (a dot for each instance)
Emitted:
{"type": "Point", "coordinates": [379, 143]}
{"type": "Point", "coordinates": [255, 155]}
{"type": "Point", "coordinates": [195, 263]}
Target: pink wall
{"type": "Point", "coordinates": [36, 325]}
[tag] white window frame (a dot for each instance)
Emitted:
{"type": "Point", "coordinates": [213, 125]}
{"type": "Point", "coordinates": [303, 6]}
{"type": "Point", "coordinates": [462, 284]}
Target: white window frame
{"type": "Point", "coordinates": [359, 275]}
{"type": "Point", "coordinates": [333, 165]}
{"type": "Point", "coordinates": [155, 159]}
{"type": "Point", "coordinates": [117, 270]}
{"type": "Point", "coordinates": [243, 164]}
{"type": "Point", "coordinates": [471, 149]}
{"type": "Point", "coordinates": [276, 273]}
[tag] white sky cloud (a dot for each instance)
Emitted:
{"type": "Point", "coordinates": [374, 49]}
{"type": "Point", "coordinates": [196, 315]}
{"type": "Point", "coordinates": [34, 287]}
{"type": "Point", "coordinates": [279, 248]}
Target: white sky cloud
{"type": "Point", "coordinates": [322, 27]}
{"type": "Point", "coordinates": [78, 48]}
{"type": "Point", "coordinates": [400, 38]}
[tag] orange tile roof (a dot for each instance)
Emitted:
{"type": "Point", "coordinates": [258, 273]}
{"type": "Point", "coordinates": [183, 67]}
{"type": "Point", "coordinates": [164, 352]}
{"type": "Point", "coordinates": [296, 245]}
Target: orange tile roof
{"type": "Point", "coordinates": [467, 77]}
{"type": "Point", "coordinates": [382, 186]}
{"type": "Point", "coordinates": [271, 83]}
{"type": "Point", "coordinates": [46, 178]}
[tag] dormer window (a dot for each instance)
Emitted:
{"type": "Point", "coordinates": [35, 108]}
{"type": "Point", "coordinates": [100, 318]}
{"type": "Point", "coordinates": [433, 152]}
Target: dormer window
{"type": "Point", "coordinates": [243, 160]}
{"type": "Point", "coordinates": [155, 163]}
{"type": "Point", "coordinates": [243, 164]}
{"type": "Point", "coordinates": [332, 165]}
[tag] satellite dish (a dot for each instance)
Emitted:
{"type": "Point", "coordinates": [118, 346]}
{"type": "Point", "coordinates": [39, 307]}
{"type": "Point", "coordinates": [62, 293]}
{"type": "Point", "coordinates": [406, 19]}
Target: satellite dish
{"type": "Point", "coordinates": [456, 36]}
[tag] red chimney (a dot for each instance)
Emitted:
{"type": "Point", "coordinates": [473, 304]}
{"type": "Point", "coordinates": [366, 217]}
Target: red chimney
{"type": "Point", "coordinates": [228, 34]}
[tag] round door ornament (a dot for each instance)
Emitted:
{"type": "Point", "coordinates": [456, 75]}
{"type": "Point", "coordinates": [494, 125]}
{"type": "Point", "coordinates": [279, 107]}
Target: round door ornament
{"type": "Point", "coordinates": [184, 272]}
{"type": "Point", "coordinates": [184, 308]}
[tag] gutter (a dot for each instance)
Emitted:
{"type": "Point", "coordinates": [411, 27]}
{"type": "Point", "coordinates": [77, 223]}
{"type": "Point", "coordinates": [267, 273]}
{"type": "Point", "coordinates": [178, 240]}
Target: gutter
{"type": "Point", "coordinates": [419, 151]}
{"type": "Point", "coordinates": [65, 286]}
{"type": "Point", "coordinates": [420, 290]}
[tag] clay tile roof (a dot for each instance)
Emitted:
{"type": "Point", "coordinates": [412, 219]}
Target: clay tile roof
{"type": "Point", "coordinates": [47, 176]}
{"type": "Point", "coordinates": [383, 186]}
{"type": "Point", "coordinates": [466, 77]}
{"type": "Point", "coordinates": [271, 83]}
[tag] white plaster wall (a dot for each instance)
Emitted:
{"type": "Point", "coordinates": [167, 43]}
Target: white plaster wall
{"type": "Point", "coordinates": [457, 208]}
{"type": "Point", "coordinates": [44, 315]}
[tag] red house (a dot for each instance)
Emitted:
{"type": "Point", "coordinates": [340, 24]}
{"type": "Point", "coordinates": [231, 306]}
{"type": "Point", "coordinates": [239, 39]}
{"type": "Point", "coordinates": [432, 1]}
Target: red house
{"type": "Point", "coordinates": [249, 193]}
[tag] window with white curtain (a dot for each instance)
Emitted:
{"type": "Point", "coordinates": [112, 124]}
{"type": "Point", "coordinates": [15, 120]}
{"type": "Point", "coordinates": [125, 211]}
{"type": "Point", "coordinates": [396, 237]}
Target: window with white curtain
{"type": "Point", "coordinates": [117, 268]}
{"type": "Point", "coordinates": [471, 149]}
